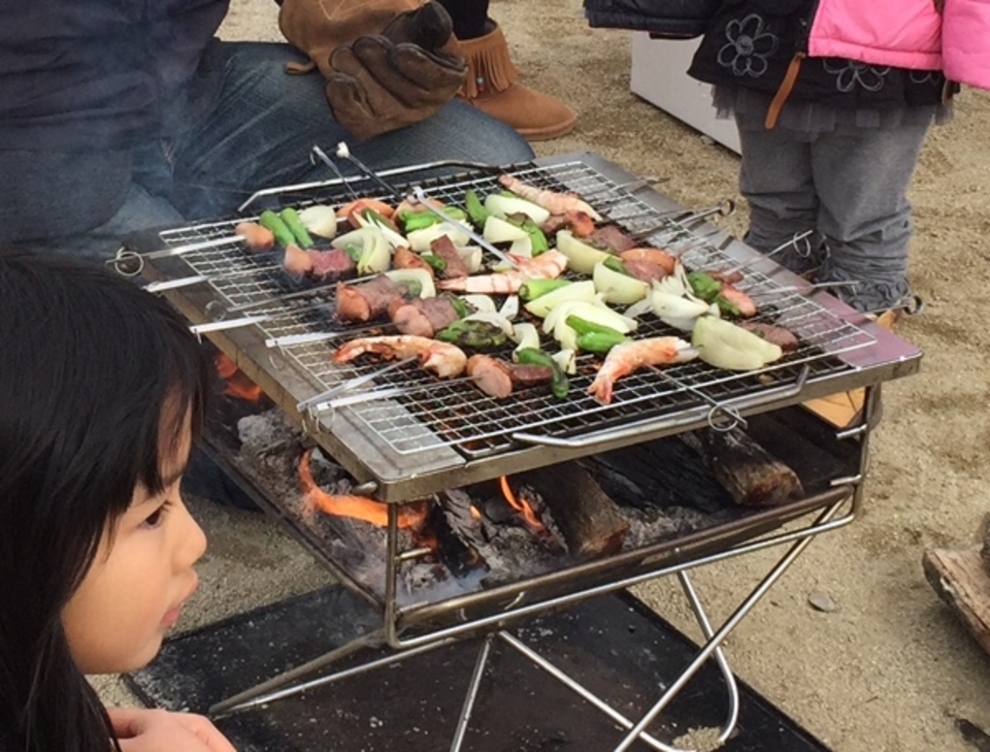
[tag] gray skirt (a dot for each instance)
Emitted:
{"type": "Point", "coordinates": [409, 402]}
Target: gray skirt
{"type": "Point", "coordinates": [806, 119]}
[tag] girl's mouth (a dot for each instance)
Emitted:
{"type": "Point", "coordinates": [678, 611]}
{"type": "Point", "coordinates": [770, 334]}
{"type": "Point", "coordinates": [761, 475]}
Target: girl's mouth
{"type": "Point", "coordinates": [173, 614]}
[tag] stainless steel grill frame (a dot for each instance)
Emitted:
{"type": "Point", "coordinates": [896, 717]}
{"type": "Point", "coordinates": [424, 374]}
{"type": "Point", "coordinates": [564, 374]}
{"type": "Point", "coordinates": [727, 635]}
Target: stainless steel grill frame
{"type": "Point", "coordinates": [414, 434]}
{"type": "Point", "coordinates": [397, 448]}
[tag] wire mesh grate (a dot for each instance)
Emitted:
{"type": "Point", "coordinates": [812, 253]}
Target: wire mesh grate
{"type": "Point", "coordinates": [410, 410]}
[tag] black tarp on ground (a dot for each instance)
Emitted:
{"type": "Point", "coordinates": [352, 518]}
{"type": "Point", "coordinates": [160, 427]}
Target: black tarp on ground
{"type": "Point", "coordinates": [613, 645]}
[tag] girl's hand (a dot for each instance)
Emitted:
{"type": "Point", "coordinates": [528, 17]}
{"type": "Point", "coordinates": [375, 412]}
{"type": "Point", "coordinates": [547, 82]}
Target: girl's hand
{"type": "Point", "coordinates": [140, 730]}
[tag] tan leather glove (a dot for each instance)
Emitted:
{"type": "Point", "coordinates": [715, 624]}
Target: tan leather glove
{"type": "Point", "coordinates": [318, 27]}
{"type": "Point", "coordinates": [380, 86]}
{"type": "Point", "coordinates": [379, 82]}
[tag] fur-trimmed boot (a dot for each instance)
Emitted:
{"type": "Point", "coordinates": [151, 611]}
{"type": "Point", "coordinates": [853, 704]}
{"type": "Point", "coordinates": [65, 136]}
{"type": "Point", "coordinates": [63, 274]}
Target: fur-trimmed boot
{"type": "Point", "coordinates": [492, 87]}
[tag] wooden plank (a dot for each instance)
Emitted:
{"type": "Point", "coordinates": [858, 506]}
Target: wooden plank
{"type": "Point", "coordinates": [959, 579]}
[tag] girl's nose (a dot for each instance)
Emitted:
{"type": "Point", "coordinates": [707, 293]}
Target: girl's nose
{"type": "Point", "coordinates": [192, 540]}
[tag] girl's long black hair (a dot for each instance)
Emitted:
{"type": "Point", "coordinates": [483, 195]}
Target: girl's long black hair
{"type": "Point", "coordinates": [93, 372]}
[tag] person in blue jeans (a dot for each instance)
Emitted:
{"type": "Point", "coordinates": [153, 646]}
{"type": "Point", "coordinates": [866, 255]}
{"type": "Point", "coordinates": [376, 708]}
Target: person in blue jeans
{"type": "Point", "coordinates": [122, 116]}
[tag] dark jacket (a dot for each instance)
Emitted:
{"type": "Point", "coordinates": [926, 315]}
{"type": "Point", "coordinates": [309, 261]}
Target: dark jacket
{"type": "Point", "coordinates": [88, 74]}
{"type": "Point", "coordinates": [763, 44]}
{"type": "Point", "coordinates": [670, 19]}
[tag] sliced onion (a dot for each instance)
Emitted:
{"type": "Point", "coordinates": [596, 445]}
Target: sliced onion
{"type": "Point", "coordinates": [526, 335]}
{"type": "Point", "coordinates": [581, 257]}
{"type": "Point", "coordinates": [522, 247]}
{"type": "Point", "coordinates": [480, 303]}
{"type": "Point", "coordinates": [319, 220]}
{"type": "Point", "coordinates": [499, 231]}
{"type": "Point", "coordinates": [617, 287]}
{"type": "Point", "coordinates": [638, 309]}
{"type": "Point", "coordinates": [510, 308]}
{"type": "Point", "coordinates": [502, 206]}
{"type": "Point", "coordinates": [541, 306]}
{"type": "Point", "coordinates": [420, 240]}
{"type": "Point", "coordinates": [566, 360]}
{"type": "Point", "coordinates": [472, 256]}
{"type": "Point", "coordinates": [420, 277]}
{"type": "Point", "coordinates": [394, 239]}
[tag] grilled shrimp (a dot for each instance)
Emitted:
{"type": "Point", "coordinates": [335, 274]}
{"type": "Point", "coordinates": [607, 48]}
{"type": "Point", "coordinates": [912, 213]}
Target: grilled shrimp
{"type": "Point", "coordinates": [549, 265]}
{"type": "Point", "coordinates": [444, 359]}
{"type": "Point", "coordinates": [555, 203]}
{"type": "Point", "coordinates": [631, 356]}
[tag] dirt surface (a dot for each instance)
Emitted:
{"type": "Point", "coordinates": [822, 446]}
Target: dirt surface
{"type": "Point", "coordinates": [891, 668]}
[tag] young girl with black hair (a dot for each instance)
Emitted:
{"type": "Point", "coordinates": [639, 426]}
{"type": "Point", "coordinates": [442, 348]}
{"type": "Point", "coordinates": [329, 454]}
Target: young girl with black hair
{"type": "Point", "coordinates": [102, 392]}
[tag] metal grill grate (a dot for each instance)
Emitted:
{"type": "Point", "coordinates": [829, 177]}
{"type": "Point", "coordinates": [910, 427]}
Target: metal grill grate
{"type": "Point", "coordinates": [411, 411]}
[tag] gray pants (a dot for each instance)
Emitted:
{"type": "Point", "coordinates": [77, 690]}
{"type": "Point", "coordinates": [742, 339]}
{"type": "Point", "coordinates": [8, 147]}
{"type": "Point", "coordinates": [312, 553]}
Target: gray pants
{"type": "Point", "coordinates": [848, 186]}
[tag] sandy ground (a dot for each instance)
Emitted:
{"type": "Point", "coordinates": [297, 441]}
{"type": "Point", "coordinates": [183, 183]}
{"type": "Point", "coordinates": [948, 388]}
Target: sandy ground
{"type": "Point", "coordinates": [891, 668]}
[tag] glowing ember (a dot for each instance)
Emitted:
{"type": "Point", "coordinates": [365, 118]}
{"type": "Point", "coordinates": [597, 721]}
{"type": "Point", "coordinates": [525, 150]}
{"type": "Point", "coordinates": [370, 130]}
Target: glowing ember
{"type": "Point", "coordinates": [238, 385]}
{"type": "Point", "coordinates": [475, 514]}
{"type": "Point", "coordinates": [355, 507]}
{"type": "Point", "coordinates": [521, 506]}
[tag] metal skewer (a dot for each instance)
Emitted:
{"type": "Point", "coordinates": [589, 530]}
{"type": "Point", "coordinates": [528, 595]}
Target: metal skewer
{"type": "Point", "coordinates": [396, 391]}
{"type": "Point", "coordinates": [803, 289]}
{"type": "Point", "coordinates": [803, 251]}
{"type": "Point", "coordinates": [218, 326]}
{"type": "Point", "coordinates": [317, 152]}
{"type": "Point", "coordinates": [172, 284]}
{"type": "Point", "coordinates": [345, 153]}
{"type": "Point", "coordinates": [723, 208]}
{"type": "Point", "coordinates": [321, 401]}
{"type": "Point", "coordinates": [294, 340]}
{"type": "Point", "coordinates": [126, 256]}
{"type": "Point", "coordinates": [418, 196]}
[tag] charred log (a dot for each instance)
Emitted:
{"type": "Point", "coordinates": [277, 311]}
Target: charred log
{"type": "Point", "coordinates": [752, 476]}
{"type": "Point", "coordinates": [458, 532]}
{"type": "Point", "coordinates": [959, 579]}
{"type": "Point", "coordinates": [589, 519]}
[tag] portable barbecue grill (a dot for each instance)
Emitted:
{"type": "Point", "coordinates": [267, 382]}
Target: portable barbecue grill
{"type": "Point", "coordinates": [404, 435]}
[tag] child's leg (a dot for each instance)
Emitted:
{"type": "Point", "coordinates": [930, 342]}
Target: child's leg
{"type": "Point", "coordinates": [775, 177]}
{"type": "Point", "coordinates": [865, 216]}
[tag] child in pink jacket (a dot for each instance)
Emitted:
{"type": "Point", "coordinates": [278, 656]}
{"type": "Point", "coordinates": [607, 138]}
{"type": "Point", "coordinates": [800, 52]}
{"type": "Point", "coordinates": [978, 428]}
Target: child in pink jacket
{"type": "Point", "coordinates": [833, 100]}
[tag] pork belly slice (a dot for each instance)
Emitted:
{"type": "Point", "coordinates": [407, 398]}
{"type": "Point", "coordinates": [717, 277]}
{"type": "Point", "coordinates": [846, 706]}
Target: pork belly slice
{"type": "Point", "coordinates": [444, 248]}
{"type": "Point", "coordinates": [496, 377]}
{"type": "Point", "coordinates": [422, 316]}
{"type": "Point", "coordinates": [785, 339]}
{"type": "Point", "coordinates": [367, 300]}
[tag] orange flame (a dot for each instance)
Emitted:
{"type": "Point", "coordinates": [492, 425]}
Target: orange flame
{"type": "Point", "coordinates": [238, 385]}
{"type": "Point", "coordinates": [521, 506]}
{"type": "Point", "coordinates": [355, 507]}
{"type": "Point", "coordinates": [475, 514]}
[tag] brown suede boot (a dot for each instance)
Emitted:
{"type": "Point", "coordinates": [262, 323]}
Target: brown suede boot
{"type": "Point", "coordinates": [491, 87]}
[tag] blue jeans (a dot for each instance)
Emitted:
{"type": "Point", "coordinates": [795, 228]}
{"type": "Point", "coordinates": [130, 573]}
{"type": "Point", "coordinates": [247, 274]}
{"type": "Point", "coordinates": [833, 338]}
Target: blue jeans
{"type": "Point", "coordinates": [244, 124]}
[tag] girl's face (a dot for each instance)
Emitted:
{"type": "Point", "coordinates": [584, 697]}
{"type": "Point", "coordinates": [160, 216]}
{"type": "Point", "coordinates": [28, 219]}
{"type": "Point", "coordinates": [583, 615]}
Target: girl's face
{"type": "Point", "coordinates": [140, 579]}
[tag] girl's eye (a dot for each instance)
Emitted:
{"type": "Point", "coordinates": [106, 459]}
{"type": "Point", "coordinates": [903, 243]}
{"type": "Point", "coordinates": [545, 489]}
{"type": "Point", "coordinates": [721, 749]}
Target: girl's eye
{"type": "Point", "coordinates": [155, 518]}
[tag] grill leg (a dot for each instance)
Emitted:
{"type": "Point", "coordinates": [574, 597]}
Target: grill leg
{"type": "Point", "coordinates": [472, 694]}
{"type": "Point", "coordinates": [716, 639]}
{"type": "Point", "coordinates": [262, 694]}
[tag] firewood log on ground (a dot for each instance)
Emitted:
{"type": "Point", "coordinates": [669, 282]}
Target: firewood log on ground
{"type": "Point", "coordinates": [961, 578]}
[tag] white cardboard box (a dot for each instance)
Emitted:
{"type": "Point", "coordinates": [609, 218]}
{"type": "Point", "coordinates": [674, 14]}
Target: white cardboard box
{"type": "Point", "coordinates": [659, 75]}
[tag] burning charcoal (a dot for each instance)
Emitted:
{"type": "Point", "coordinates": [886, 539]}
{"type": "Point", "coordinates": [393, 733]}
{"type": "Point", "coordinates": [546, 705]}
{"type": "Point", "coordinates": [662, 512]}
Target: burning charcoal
{"type": "Point", "coordinates": [458, 532]}
{"type": "Point", "coordinates": [550, 535]}
{"type": "Point", "coordinates": [328, 474]}
{"type": "Point", "coordinates": [497, 509]}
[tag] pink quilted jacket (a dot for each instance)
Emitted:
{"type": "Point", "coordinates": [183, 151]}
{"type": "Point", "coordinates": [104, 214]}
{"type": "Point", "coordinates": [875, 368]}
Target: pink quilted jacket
{"type": "Point", "coordinates": [966, 42]}
{"type": "Point", "coordinates": [907, 34]}
{"type": "Point", "coordinates": [899, 33]}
